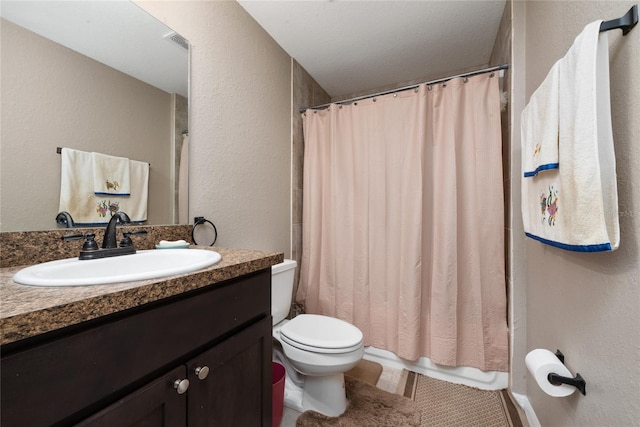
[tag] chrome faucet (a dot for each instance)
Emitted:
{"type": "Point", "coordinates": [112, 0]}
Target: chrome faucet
{"type": "Point", "coordinates": [109, 241]}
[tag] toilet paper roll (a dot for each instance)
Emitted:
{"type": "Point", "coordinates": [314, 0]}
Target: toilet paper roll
{"type": "Point", "coordinates": [542, 362]}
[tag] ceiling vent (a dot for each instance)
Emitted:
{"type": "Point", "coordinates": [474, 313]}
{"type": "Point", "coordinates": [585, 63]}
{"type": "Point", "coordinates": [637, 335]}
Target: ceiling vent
{"type": "Point", "coordinates": [178, 40]}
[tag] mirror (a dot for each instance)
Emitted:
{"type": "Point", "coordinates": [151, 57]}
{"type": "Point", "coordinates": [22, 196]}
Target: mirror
{"type": "Point", "coordinates": [101, 77]}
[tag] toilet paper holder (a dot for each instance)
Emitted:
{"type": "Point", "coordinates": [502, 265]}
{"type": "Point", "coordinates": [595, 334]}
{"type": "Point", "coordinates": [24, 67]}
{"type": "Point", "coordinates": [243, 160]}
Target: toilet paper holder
{"type": "Point", "coordinates": [578, 382]}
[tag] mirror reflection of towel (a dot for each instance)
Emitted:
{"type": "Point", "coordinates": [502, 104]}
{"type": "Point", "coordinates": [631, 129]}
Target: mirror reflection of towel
{"type": "Point", "coordinates": [86, 208]}
{"type": "Point", "coordinates": [183, 183]}
{"type": "Point", "coordinates": [136, 204]}
{"type": "Point", "coordinates": [110, 175]}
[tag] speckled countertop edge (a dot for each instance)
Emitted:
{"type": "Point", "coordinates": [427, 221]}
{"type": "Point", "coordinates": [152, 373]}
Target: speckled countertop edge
{"type": "Point", "coordinates": [27, 311]}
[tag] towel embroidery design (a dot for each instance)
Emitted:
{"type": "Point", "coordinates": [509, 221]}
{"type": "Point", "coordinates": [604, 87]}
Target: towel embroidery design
{"type": "Point", "coordinates": [115, 185]}
{"type": "Point", "coordinates": [537, 149]}
{"type": "Point", "coordinates": [104, 207]}
{"type": "Point", "coordinates": [549, 206]}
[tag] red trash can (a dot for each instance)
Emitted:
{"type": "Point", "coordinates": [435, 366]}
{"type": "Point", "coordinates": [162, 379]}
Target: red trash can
{"type": "Point", "coordinates": [278, 375]}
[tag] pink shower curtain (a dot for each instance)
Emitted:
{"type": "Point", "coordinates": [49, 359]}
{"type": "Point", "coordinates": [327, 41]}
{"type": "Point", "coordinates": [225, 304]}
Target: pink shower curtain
{"type": "Point", "coordinates": [403, 227]}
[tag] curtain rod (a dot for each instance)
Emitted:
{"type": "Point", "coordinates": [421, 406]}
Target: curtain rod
{"type": "Point", "coordinates": [413, 86]}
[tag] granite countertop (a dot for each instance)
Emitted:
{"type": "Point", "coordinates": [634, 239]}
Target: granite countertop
{"type": "Point", "coordinates": [27, 311]}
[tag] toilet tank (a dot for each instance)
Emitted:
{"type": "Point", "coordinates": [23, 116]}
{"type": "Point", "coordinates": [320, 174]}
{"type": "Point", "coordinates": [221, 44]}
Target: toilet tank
{"type": "Point", "coordinates": [282, 289]}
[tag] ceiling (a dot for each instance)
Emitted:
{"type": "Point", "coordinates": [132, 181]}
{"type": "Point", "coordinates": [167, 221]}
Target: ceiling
{"type": "Point", "coordinates": [116, 33]}
{"type": "Point", "coordinates": [355, 46]}
{"type": "Point", "coordinates": [348, 46]}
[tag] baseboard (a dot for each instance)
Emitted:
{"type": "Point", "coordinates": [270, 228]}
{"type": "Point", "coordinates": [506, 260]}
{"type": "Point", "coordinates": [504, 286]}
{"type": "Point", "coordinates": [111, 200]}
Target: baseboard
{"type": "Point", "coordinates": [523, 401]}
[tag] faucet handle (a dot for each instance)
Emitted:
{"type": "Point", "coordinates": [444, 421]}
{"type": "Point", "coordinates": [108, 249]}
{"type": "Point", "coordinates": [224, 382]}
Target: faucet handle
{"type": "Point", "coordinates": [69, 237]}
{"type": "Point", "coordinates": [90, 243]}
{"type": "Point", "coordinates": [126, 240]}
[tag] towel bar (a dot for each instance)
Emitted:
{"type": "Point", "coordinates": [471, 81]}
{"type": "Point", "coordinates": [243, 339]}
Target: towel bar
{"type": "Point", "coordinates": [625, 23]}
{"type": "Point", "coordinates": [59, 151]}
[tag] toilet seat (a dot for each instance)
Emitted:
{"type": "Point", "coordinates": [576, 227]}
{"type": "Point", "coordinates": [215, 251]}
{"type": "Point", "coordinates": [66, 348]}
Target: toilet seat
{"type": "Point", "coordinates": [321, 334]}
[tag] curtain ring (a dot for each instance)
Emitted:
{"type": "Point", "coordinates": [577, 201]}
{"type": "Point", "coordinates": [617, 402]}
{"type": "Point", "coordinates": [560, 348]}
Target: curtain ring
{"type": "Point", "coordinates": [395, 95]}
{"type": "Point", "coordinates": [340, 107]}
{"type": "Point", "coordinates": [416, 89]}
{"type": "Point", "coordinates": [355, 103]}
{"type": "Point", "coordinates": [492, 74]}
{"type": "Point", "coordinates": [375, 99]}
{"type": "Point", "coordinates": [466, 79]}
{"type": "Point", "coordinates": [200, 220]}
{"type": "Point", "coordinates": [429, 87]}
{"type": "Point", "coordinates": [444, 84]}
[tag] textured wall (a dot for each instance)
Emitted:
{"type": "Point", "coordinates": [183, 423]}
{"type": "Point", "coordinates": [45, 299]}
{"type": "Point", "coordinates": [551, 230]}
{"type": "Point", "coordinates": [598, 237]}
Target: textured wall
{"type": "Point", "coordinates": [54, 97]}
{"type": "Point", "coordinates": [587, 304]}
{"type": "Point", "coordinates": [240, 123]}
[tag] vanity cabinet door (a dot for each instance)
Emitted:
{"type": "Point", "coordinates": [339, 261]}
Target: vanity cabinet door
{"type": "Point", "coordinates": [237, 389]}
{"type": "Point", "coordinates": [157, 404]}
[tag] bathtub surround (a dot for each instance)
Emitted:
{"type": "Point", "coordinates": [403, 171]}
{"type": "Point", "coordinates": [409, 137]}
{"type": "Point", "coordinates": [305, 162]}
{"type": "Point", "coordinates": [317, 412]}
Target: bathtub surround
{"type": "Point", "coordinates": [306, 91]}
{"type": "Point", "coordinates": [394, 198]}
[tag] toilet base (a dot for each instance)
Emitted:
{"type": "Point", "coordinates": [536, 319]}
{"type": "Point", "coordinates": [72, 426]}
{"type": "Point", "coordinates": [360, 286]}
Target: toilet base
{"type": "Point", "coordinates": [322, 394]}
{"type": "Point", "coordinates": [325, 394]}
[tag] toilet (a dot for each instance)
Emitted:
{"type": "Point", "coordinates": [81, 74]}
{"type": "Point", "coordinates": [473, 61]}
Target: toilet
{"type": "Point", "coordinates": [315, 350]}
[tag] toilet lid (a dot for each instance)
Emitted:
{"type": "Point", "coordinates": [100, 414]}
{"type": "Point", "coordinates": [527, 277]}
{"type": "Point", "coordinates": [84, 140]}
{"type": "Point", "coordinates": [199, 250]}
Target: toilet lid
{"type": "Point", "coordinates": [321, 334]}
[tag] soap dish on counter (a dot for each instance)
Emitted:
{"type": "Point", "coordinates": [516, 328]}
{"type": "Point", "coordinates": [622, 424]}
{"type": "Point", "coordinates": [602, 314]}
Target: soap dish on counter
{"type": "Point", "coordinates": [177, 244]}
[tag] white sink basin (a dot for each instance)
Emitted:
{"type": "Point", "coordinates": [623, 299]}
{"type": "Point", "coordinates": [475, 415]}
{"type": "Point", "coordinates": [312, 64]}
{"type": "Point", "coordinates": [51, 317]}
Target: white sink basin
{"type": "Point", "coordinates": [142, 265]}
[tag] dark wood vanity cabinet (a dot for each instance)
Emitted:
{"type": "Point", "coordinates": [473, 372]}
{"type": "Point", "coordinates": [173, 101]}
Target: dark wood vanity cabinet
{"type": "Point", "coordinates": [125, 370]}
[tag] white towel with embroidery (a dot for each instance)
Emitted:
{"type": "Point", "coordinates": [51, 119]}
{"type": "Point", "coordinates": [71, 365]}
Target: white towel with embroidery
{"type": "Point", "coordinates": [575, 207]}
{"type": "Point", "coordinates": [77, 194]}
{"type": "Point", "coordinates": [110, 175]}
{"type": "Point", "coordinates": [76, 186]}
{"type": "Point", "coordinates": [540, 126]}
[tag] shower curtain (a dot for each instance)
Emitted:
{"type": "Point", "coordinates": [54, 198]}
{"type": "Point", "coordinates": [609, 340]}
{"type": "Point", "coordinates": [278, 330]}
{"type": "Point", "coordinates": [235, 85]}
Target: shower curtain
{"type": "Point", "coordinates": [403, 224]}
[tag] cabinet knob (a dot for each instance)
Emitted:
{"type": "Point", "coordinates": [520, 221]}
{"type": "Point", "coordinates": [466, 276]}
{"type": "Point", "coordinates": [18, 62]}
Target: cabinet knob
{"type": "Point", "coordinates": [202, 372]}
{"type": "Point", "coordinates": [181, 385]}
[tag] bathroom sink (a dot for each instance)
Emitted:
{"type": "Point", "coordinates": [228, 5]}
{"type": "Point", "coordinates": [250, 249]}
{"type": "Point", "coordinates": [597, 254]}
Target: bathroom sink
{"type": "Point", "coordinates": [143, 265]}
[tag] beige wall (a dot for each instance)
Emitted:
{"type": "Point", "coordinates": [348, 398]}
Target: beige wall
{"type": "Point", "coordinates": [587, 305]}
{"type": "Point", "coordinates": [240, 123]}
{"type": "Point", "coordinates": [54, 97]}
